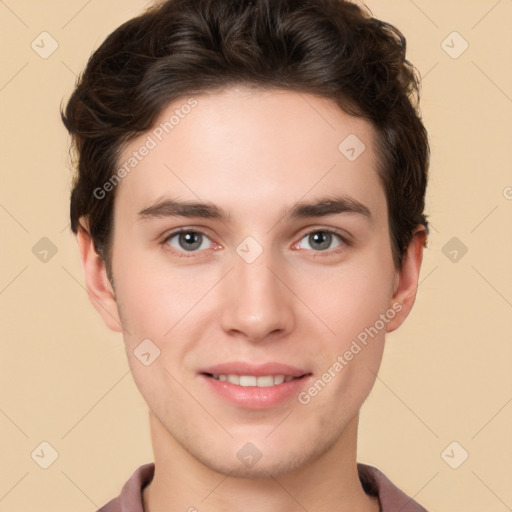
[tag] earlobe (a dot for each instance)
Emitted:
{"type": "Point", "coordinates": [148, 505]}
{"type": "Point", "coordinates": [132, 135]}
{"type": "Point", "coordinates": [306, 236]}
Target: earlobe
{"type": "Point", "coordinates": [406, 284]}
{"type": "Point", "coordinates": [100, 291]}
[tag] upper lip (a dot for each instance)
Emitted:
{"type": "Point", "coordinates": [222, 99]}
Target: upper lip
{"type": "Point", "coordinates": [258, 370]}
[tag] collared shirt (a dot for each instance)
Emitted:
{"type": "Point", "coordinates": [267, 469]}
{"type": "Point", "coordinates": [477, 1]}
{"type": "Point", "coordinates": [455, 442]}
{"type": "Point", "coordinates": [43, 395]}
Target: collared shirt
{"type": "Point", "coordinates": [373, 481]}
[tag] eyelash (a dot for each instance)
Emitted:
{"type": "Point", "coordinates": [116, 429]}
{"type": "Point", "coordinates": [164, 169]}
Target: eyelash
{"type": "Point", "coordinates": [329, 252]}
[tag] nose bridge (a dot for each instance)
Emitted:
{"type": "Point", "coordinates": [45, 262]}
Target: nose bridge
{"type": "Point", "coordinates": [257, 303]}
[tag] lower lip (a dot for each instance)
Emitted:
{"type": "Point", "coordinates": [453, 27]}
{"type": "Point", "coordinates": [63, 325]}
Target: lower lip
{"type": "Point", "coordinates": [253, 397]}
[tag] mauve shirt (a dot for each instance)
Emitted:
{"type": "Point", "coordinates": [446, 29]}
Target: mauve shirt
{"type": "Point", "coordinates": [373, 481]}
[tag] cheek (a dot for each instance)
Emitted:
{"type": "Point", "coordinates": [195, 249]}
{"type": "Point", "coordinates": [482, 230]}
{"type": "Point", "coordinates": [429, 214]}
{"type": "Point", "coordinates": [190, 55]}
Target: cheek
{"type": "Point", "coordinates": [350, 298]}
{"type": "Point", "coordinates": [153, 297]}
{"type": "Point", "coordinates": [363, 309]}
{"type": "Point", "coordinates": [355, 303]}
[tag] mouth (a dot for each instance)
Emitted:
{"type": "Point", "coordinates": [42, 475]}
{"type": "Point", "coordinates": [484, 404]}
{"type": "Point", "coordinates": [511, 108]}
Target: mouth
{"type": "Point", "coordinates": [258, 381]}
{"type": "Point", "coordinates": [255, 386]}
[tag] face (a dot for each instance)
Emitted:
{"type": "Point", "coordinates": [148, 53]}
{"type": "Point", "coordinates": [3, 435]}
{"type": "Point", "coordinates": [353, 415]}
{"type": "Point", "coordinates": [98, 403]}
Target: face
{"type": "Point", "coordinates": [247, 248]}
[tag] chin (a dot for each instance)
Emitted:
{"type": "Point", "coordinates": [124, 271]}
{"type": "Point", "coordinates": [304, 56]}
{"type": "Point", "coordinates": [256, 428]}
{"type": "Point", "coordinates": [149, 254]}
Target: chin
{"type": "Point", "coordinates": [260, 470]}
{"type": "Point", "coordinates": [251, 463]}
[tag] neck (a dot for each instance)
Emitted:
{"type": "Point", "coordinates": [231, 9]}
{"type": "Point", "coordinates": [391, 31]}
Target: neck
{"type": "Point", "coordinates": [182, 483]}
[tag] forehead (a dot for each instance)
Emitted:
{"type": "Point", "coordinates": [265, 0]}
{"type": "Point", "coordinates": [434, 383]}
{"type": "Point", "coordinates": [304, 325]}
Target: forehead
{"type": "Point", "coordinates": [249, 150]}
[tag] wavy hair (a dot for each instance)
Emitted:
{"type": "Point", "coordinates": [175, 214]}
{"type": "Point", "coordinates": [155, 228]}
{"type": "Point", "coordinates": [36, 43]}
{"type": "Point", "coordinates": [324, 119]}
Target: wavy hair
{"type": "Point", "coordinates": [179, 48]}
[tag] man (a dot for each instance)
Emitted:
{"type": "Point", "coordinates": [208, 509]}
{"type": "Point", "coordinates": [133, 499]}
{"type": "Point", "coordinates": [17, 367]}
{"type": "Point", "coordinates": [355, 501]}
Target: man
{"type": "Point", "coordinates": [249, 214]}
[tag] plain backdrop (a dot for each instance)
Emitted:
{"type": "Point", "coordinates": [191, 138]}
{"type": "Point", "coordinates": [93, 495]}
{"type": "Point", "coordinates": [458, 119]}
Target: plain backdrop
{"type": "Point", "coordinates": [444, 390]}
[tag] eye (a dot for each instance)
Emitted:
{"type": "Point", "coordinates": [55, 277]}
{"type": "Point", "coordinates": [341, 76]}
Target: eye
{"type": "Point", "coordinates": [320, 240]}
{"type": "Point", "coordinates": [187, 240]}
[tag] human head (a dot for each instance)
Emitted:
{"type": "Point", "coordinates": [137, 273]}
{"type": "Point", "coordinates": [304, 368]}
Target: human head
{"type": "Point", "coordinates": [261, 131]}
{"type": "Point", "coordinates": [330, 48]}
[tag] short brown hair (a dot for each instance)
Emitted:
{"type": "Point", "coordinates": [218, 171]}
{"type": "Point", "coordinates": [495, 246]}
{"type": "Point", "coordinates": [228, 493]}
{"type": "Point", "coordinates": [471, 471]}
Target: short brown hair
{"type": "Point", "coordinates": [331, 48]}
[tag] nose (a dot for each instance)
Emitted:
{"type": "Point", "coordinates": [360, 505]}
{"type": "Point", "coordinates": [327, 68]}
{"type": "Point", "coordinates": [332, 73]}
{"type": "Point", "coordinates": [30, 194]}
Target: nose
{"type": "Point", "coordinates": [257, 305]}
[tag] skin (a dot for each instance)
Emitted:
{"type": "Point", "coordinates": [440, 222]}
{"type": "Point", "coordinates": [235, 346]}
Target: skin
{"type": "Point", "coordinates": [253, 153]}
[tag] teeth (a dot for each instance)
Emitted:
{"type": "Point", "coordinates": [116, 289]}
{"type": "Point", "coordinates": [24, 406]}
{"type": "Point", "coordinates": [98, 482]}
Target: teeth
{"type": "Point", "coordinates": [248, 380]}
{"type": "Point", "coordinates": [279, 379]}
{"type": "Point", "coordinates": [264, 381]}
{"type": "Point", "coordinates": [234, 379]}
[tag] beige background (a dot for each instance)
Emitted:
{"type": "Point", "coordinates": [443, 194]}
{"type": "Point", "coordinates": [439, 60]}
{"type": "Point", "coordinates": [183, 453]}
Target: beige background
{"type": "Point", "coordinates": [446, 375]}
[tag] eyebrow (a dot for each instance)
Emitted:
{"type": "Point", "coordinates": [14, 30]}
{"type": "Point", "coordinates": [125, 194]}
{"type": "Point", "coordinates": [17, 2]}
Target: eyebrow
{"type": "Point", "coordinates": [322, 207]}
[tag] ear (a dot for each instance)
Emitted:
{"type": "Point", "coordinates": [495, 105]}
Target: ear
{"type": "Point", "coordinates": [100, 291]}
{"type": "Point", "coordinates": [406, 280]}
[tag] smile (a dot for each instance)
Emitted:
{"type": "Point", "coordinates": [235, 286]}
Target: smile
{"type": "Point", "coordinates": [260, 381]}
